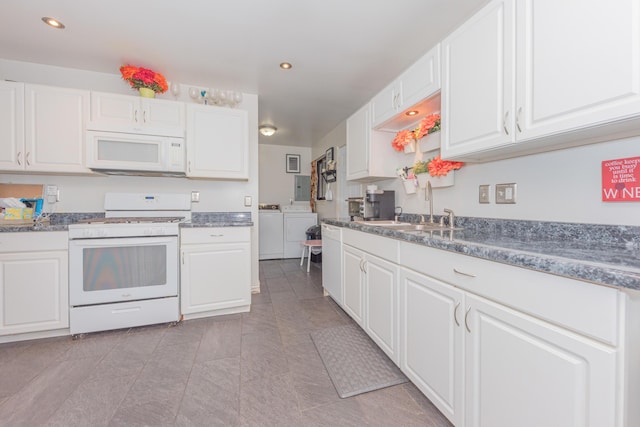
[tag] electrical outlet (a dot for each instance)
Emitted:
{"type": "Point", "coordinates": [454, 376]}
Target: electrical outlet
{"type": "Point", "coordinates": [195, 196]}
{"type": "Point", "coordinates": [484, 192]}
{"type": "Point", "coordinates": [52, 193]}
{"type": "Point", "coordinates": [506, 193]}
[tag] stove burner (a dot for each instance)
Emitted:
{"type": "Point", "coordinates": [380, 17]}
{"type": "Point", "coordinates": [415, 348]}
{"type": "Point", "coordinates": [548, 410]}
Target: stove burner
{"type": "Point", "coordinates": [132, 220]}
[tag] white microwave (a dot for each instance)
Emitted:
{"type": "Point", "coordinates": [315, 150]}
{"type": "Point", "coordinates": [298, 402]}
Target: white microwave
{"type": "Point", "coordinates": [133, 154]}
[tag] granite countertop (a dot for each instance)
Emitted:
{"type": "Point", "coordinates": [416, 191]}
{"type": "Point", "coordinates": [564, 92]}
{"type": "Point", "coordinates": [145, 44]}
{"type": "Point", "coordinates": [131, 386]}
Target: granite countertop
{"type": "Point", "coordinates": [61, 221]}
{"type": "Point", "coordinates": [600, 254]}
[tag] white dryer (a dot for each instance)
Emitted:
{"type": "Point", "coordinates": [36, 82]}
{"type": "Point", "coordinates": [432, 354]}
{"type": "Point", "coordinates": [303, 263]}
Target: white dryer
{"type": "Point", "coordinates": [297, 219]}
{"type": "Point", "coordinates": [270, 233]}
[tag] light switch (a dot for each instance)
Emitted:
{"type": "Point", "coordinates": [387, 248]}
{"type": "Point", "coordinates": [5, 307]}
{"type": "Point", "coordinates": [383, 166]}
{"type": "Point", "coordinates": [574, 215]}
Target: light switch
{"type": "Point", "coordinates": [195, 196]}
{"type": "Point", "coordinates": [484, 192]}
{"type": "Point", "coordinates": [247, 200]}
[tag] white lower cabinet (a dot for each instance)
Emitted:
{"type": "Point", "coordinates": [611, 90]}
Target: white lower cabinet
{"type": "Point", "coordinates": [491, 344]}
{"type": "Point", "coordinates": [215, 278]}
{"type": "Point", "coordinates": [432, 340]}
{"type": "Point", "coordinates": [34, 284]}
{"type": "Point", "coordinates": [371, 288]}
{"type": "Point", "coordinates": [352, 260]}
{"type": "Point", "coordinates": [521, 371]}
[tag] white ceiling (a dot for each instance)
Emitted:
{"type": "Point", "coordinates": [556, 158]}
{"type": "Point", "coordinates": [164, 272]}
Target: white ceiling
{"type": "Point", "coordinates": [342, 51]}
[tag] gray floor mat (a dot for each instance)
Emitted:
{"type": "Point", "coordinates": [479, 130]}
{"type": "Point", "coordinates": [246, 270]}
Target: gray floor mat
{"type": "Point", "coordinates": [354, 362]}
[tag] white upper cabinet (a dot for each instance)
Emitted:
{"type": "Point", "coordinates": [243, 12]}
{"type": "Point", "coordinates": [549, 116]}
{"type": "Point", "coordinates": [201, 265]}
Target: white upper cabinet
{"type": "Point", "coordinates": [11, 126]}
{"type": "Point", "coordinates": [217, 142]}
{"type": "Point", "coordinates": [418, 82]}
{"type": "Point", "coordinates": [477, 82]}
{"type": "Point", "coordinates": [135, 114]}
{"type": "Point", "coordinates": [530, 76]}
{"type": "Point", "coordinates": [369, 152]}
{"type": "Point", "coordinates": [42, 128]}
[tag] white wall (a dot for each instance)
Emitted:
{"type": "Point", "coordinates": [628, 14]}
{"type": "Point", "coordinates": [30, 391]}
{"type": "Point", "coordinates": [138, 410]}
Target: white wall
{"type": "Point", "coordinates": [563, 185]}
{"type": "Point", "coordinates": [86, 193]}
{"type": "Point", "coordinates": [276, 185]}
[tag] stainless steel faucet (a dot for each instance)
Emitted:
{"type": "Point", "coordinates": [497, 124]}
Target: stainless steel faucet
{"type": "Point", "coordinates": [451, 217]}
{"type": "Point", "coordinates": [428, 195]}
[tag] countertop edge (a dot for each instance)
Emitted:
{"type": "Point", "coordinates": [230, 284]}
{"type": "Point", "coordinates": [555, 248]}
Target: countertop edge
{"type": "Point", "coordinates": [599, 274]}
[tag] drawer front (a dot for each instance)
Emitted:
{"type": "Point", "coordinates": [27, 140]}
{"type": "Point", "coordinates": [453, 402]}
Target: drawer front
{"type": "Point", "coordinates": [586, 308]}
{"type": "Point", "coordinates": [33, 241]}
{"type": "Point", "coordinates": [214, 235]}
{"type": "Point", "coordinates": [383, 247]}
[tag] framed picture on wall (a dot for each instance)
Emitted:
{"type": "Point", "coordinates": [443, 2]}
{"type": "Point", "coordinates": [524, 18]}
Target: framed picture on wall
{"type": "Point", "coordinates": [293, 163]}
{"type": "Point", "coordinates": [329, 155]}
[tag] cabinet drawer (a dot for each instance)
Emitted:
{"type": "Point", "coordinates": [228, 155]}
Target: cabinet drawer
{"type": "Point", "coordinates": [214, 235]}
{"type": "Point", "coordinates": [380, 246]}
{"type": "Point", "coordinates": [33, 241]}
{"type": "Point", "coordinates": [589, 309]}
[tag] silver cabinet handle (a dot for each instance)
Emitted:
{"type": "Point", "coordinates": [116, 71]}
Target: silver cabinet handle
{"type": "Point", "coordinates": [18, 157]}
{"type": "Point", "coordinates": [135, 116]}
{"type": "Point", "coordinates": [466, 316]}
{"type": "Point", "coordinates": [455, 314]}
{"type": "Point", "coordinates": [144, 116]}
{"type": "Point", "coordinates": [504, 122]}
{"type": "Point", "coordinates": [189, 165]}
{"type": "Point", "coordinates": [26, 158]}
{"type": "Point", "coordinates": [463, 273]}
{"type": "Point", "coordinates": [518, 120]}
{"type": "Point", "coordinates": [216, 235]}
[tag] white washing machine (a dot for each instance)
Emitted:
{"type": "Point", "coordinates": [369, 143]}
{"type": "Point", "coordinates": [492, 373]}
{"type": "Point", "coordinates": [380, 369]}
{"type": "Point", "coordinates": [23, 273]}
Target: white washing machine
{"type": "Point", "coordinates": [270, 235]}
{"type": "Point", "coordinates": [297, 219]}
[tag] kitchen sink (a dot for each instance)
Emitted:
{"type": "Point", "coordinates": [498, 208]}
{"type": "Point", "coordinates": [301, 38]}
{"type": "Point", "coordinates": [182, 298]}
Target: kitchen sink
{"type": "Point", "coordinates": [384, 223]}
{"type": "Point", "coordinates": [423, 228]}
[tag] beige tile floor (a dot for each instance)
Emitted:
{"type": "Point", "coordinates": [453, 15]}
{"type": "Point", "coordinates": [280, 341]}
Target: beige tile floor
{"type": "Point", "coordinates": [255, 369]}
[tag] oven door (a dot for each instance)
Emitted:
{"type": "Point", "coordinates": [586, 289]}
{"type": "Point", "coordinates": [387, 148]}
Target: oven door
{"type": "Point", "coordinates": [122, 269]}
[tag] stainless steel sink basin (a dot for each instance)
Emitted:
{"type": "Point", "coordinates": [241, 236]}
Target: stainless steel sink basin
{"type": "Point", "coordinates": [384, 223]}
{"type": "Point", "coordinates": [423, 228]}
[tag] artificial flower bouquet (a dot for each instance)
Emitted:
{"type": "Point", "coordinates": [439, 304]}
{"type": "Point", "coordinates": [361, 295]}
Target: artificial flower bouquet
{"type": "Point", "coordinates": [429, 124]}
{"type": "Point", "coordinates": [139, 77]}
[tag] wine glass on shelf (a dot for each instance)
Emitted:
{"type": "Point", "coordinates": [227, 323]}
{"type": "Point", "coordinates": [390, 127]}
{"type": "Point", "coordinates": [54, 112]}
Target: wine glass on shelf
{"type": "Point", "coordinates": [194, 94]}
{"type": "Point", "coordinates": [175, 89]}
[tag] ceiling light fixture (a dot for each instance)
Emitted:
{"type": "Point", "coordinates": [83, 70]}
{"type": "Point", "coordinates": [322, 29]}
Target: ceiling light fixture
{"type": "Point", "coordinates": [267, 130]}
{"type": "Point", "coordinates": [411, 113]}
{"type": "Point", "coordinates": [52, 22]}
{"type": "Point", "coordinates": [285, 65]}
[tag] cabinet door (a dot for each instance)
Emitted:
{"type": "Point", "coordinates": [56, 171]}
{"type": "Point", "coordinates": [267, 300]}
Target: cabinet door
{"type": "Point", "coordinates": [431, 315]}
{"type": "Point", "coordinates": [569, 74]}
{"type": "Point", "coordinates": [421, 80]}
{"type": "Point", "coordinates": [381, 299]}
{"type": "Point", "coordinates": [352, 260]}
{"type": "Point", "coordinates": [215, 277]}
{"type": "Point", "coordinates": [217, 142]}
{"type": "Point", "coordinates": [478, 94]}
{"type": "Point", "coordinates": [110, 111]}
{"type": "Point", "coordinates": [525, 372]}
{"type": "Point", "coordinates": [11, 126]}
{"type": "Point", "coordinates": [33, 292]}
{"type": "Point", "coordinates": [55, 129]}
{"type": "Point", "coordinates": [358, 132]}
{"type": "Point", "coordinates": [164, 116]}
{"type": "Point", "coordinates": [385, 104]}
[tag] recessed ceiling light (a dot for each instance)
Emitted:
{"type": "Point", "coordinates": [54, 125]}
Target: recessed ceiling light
{"type": "Point", "coordinates": [285, 65]}
{"type": "Point", "coordinates": [267, 130]}
{"type": "Point", "coordinates": [52, 22]}
{"type": "Point", "coordinates": [411, 113]}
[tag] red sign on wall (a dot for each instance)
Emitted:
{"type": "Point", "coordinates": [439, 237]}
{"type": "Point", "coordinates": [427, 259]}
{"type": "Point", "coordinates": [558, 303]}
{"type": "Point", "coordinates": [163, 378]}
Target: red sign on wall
{"type": "Point", "coordinates": [621, 180]}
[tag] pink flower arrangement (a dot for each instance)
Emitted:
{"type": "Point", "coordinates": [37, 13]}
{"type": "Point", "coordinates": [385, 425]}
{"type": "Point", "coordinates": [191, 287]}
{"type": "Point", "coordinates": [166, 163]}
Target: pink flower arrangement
{"type": "Point", "coordinates": [429, 124]}
{"type": "Point", "coordinates": [142, 77]}
{"type": "Point", "coordinates": [439, 167]}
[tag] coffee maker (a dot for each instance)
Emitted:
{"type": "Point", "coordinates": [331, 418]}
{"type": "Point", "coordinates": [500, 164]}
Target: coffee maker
{"type": "Point", "coordinates": [378, 204]}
